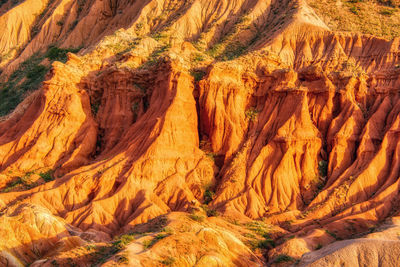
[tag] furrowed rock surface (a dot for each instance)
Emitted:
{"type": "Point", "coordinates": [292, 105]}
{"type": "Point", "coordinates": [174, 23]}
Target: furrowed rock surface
{"type": "Point", "coordinates": [176, 111]}
{"type": "Point", "coordinates": [378, 248]}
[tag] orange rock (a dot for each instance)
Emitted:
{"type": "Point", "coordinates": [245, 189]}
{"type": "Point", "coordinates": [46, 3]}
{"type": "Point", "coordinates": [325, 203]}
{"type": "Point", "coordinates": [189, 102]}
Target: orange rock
{"type": "Point", "coordinates": [301, 130]}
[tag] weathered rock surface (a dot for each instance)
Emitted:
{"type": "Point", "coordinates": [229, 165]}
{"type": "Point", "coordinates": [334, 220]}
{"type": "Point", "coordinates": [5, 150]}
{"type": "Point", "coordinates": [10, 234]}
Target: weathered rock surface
{"type": "Point", "coordinates": [266, 115]}
{"type": "Point", "coordinates": [376, 249]}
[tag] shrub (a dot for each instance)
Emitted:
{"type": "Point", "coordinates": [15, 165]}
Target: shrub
{"type": "Point", "coordinates": [332, 234]}
{"type": "Point", "coordinates": [158, 224]}
{"type": "Point", "coordinates": [259, 228]}
{"type": "Point", "coordinates": [391, 3]}
{"type": "Point", "coordinates": [159, 36]}
{"type": "Point", "coordinates": [208, 196]}
{"type": "Point", "coordinates": [211, 155]}
{"type": "Point", "coordinates": [252, 114]}
{"type": "Point", "coordinates": [233, 52]}
{"type": "Point", "coordinates": [215, 51]}
{"type": "Point", "coordinates": [323, 168]}
{"type": "Point", "coordinates": [27, 77]}
{"type": "Point", "coordinates": [210, 212]}
{"type": "Point", "coordinates": [283, 258]}
{"type": "Point", "coordinates": [20, 181]}
{"type": "Point", "coordinates": [59, 54]}
{"type": "Point", "coordinates": [123, 241]}
{"type": "Point", "coordinates": [198, 57]}
{"type": "Point", "coordinates": [387, 12]}
{"type": "Point", "coordinates": [267, 243]}
{"type": "Point", "coordinates": [94, 106]}
{"type": "Point", "coordinates": [168, 261]}
{"type": "Point", "coordinates": [13, 184]}
{"type": "Point", "coordinates": [155, 56]}
{"type": "Point", "coordinates": [47, 176]}
{"type": "Point", "coordinates": [36, 72]}
{"type": "Point", "coordinates": [354, 10]}
{"type": "Point", "coordinates": [122, 259]}
{"type": "Point", "coordinates": [149, 243]}
{"type": "Point", "coordinates": [197, 75]}
{"type": "Point", "coordinates": [196, 218]}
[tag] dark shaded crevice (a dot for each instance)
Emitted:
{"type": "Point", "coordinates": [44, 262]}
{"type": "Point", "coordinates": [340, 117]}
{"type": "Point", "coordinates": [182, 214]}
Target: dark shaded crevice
{"type": "Point", "coordinates": [116, 186]}
{"type": "Point", "coordinates": [91, 196]}
{"type": "Point", "coordinates": [99, 143]}
{"type": "Point", "coordinates": [37, 25]}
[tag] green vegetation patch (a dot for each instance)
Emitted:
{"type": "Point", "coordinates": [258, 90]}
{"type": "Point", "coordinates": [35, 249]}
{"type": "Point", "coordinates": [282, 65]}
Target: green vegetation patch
{"type": "Point", "coordinates": [208, 195]}
{"type": "Point", "coordinates": [19, 182]}
{"type": "Point", "coordinates": [198, 75]}
{"type": "Point", "coordinates": [154, 58]}
{"type": "Point", "coordinates": [387, 12]}
{"type": "Point", "coordinates": [283, 258]}
{"type": "Point", "coordinates": [149, 243]}
{"type": "Point", "coordinates": [267, 243]}
{"type": "Point", "coordinates": [168, 261]}
{"type": "Point", "coordinates": [122, 241]}
{"type": "Point", "coordinates": [209, 211]}
{"type": "Point", "coordinates": [59, 54]}
{"type": "Point", "coordinates": [261, 229]}
{"type": "Point", "coordinates": [323, 168]}
{"type": "Point", "coordinates": [47, 176]}
{"type": "Point", "coordinates": [252, 114]}
{"type": "Point", "coordinates": [101, 254]}
{"type": "Point", "coordinates": [28, 77]}
{"type": "Point", "coordinates": [196, 218]}
{"type": "Point", "coordinates": [332, 234]}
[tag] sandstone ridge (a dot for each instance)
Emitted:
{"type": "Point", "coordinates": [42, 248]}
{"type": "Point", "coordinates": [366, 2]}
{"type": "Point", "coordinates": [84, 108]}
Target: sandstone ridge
{"type": "Point", "coordinates": [247, 127]}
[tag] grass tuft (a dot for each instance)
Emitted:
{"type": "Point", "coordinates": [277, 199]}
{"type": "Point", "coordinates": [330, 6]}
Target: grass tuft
{"type": "Point", "coordinates": [28, 77]}
{"type": "Point", "coordinates": [252, 114]}
{"type": "Point", "coordinates": [198, 75]}
{"type": "Point", "coordinates": [168, 261]}
{"type": "Point", "coordinates": [196, 218]}
{"type": "Point", "coordinates": [55, 53]}
{"type": "Point", "coordinates": [47, 176]}
{"type": "Point", "coordinates": [283, 258]}
{"type": "Point", "coordinates": [149, 243]}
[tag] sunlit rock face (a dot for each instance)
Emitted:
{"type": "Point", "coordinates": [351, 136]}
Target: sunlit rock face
{"type": "Point", "coordinates": [194, 133]}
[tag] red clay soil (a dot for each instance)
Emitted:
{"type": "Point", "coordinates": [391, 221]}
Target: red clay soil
{"type": "Point", "coordinates": [300, 131]}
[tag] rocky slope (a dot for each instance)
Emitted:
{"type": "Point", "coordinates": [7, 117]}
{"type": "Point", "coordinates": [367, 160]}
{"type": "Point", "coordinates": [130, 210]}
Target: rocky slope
{"type": "Point", "coordinates": [375, 17]}
{"type": "Point", "coordinates": [193, 133]}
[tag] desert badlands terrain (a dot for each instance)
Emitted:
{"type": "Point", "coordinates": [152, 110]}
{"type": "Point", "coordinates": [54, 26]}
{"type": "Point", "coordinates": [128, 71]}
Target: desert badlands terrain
{"type": "Point", "coordinates": [199, 133]}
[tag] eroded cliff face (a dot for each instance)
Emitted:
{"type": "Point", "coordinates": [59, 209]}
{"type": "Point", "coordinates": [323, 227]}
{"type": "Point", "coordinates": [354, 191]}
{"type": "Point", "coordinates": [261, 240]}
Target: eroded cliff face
{"type": "Point", "coordinates": [253, 111]}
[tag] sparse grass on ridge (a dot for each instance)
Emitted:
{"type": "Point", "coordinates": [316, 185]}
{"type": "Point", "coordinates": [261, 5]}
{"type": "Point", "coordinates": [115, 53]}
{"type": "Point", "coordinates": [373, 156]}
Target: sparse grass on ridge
{"type": "Point", "coordinates": [377, 17]}
{"type": "Point", "coordinates": [28, 77]}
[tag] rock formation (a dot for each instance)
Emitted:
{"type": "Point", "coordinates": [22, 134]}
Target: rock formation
{"type": "Point", "coordinates": [173, 112]}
